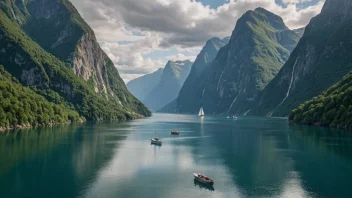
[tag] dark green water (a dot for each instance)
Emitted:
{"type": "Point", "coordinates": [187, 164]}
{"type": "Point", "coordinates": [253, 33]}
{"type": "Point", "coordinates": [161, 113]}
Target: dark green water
{"type": "Point", "coordinates": [249, 157]}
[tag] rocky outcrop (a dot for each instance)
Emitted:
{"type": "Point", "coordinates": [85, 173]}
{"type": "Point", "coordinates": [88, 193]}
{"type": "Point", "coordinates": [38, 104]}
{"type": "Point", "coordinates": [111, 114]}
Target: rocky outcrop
{"type": "Point", "coordinates": [321, 59]}
{"type": "Point", "coordinates": [88, 62]}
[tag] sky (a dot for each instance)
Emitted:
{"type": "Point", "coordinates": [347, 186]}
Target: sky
{"type": "Point", "coordinates": [140, 36]}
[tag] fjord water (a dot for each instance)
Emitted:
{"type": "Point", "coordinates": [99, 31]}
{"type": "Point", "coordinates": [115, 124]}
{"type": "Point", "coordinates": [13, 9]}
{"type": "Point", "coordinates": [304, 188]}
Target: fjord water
{"type": "Point", "coordinates": [248, 157]}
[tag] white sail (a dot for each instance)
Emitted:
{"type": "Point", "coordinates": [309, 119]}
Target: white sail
{"type": "Point", "coordinates": [201, 112]}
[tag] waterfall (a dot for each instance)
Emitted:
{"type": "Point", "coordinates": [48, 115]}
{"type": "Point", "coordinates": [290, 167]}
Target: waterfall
{"type": "Point", "coordinates": [231, 105]}
{"type": "Point", "coordinates": [203, 92]}
{"type": "Point", "coordinates": [222, 73]}
{"type": "Point", "coordinates": [289, 88]}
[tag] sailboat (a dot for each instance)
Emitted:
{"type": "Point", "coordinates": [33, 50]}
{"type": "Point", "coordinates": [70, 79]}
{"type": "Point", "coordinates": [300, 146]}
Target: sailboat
{"type": "Point", "coordinates": [156, 140]}
{"type": "Point", "coordinates": [201, 112]}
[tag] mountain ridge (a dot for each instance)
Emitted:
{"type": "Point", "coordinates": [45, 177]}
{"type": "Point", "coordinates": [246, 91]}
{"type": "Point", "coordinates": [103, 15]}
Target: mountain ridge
{"type": "Point", "coordinates": [55, 79]}
{"type": "Point", "coordinates": [259, 46]}
{"type": "Point", "coordinates": [318, 62]}
{"type": "Point", "coordinates": [172, 79]}
{"type": "Point", "coordinates": [142, 86]}
{"type": "Point", "coordinates": [188, 99]}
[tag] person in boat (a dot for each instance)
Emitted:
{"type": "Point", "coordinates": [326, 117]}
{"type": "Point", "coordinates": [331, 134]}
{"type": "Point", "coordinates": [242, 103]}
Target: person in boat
{"type": "Point", "coordinates": [203, 177]}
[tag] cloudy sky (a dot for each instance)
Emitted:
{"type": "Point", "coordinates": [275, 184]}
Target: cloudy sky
{"type": "Point", "coordinates": [140, 36]}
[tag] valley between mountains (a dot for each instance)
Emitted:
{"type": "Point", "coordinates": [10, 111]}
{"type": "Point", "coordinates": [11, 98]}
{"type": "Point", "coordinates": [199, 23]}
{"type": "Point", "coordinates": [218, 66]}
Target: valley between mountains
{"type": "Point", "coordinates": [54, 70]}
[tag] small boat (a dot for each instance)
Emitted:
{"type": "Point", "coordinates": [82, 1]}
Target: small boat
{"type": "Point", "coordinates": [156, 141]}
{"type": "Point", "coordinates": [201, 112]}
{"type": "Point", "coordinates": [175, 132]}
{"type": "Point", "coordinates": [203, 179]}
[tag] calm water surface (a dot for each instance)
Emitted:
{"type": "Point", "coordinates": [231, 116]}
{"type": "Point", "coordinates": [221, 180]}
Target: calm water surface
{"type": "Point", "coordinates": [248, 157]}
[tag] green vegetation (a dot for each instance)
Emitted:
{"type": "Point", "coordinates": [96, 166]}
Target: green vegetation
{"type": "Point", "coordinates": [331, 108]}
{"type": "Point", "coordinates": [24, 57]}
{"type": "Point", "coordinates": [55, 76]}
{"type": "Point", "coordinates": [259, 46]}
{"type": "Point", "coordinates": [21, 106]}
{"type": "Point", "coordinates": [321, 59]}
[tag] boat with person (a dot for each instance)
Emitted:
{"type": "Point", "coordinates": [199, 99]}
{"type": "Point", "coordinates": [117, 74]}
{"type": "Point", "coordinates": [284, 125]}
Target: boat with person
{"type": "Point", "coordinates": [203, 179]}
{"type": "Point", "coordinates": [175, 132]}
{"type": "Point", "coordinates": [201, 112]}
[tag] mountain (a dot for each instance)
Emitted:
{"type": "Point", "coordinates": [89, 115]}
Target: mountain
{"type": "Point", "coordinates": [188, 100]}
{"type": "Point", "coordinates": [321, 59]}
{"type": "Point", "coordinates": [142, 86]}
{"type": "Point", "coordinates": [259, 46]}
{"type": "Point", "coordinates": [172, 79]}
{"type": "Point", "coordinates": [299, 31]}
{"type": "Point", "coordinates": [331, 108]}
{"type": "Point", "coordinates": [47, 46]}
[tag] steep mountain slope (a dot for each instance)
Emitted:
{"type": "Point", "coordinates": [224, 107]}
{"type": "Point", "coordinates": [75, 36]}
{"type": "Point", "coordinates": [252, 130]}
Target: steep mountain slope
{"type": "Point", "coordinates": [331, 108]}
{"type": "Point", "coordinates": [320, 60]}
{"type": "Point", "coordinates": [300, 31]}
{"type": "Point", "coordinates": [142, 86]}
{"type": "Point", "coordinates": [172, 79]}
{"type": "Point", "coordinates": [52, 78]}
{"type": "Point", "coordinates": [22, 107]}
{"type": "Point", "coordinates": [259, 46]}
{"type": "Point", "coordinates": [188, 100]}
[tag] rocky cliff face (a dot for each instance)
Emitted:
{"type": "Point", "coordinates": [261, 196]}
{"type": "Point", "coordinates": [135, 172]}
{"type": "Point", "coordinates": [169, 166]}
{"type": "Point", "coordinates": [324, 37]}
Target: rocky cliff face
{"type": "Point", "coordinates": [188, 100]}
{"type": "Point", "coordinates": [45, 43]}
{"type": "Point", "coordinates": [59, 29]}
{"type": "Point", "coordinates": [321, 59]}
{"type": "Point", "coordinates": [172, 79]}
{"type": "Point", "coordinates": [142, 86]}
{"type": "Point", "coordinates": [259, 46]}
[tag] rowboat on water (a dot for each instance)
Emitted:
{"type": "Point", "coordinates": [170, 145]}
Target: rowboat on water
{"type": "Point", "coordinates": [203, 179]}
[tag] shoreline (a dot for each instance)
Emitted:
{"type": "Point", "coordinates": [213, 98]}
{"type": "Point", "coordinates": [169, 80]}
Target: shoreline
{"type": "Point", "coordinates": [23, 127]}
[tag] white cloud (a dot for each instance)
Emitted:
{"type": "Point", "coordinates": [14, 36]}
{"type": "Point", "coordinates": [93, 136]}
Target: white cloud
{"type": "Point", "coordinates": [165, 24]}
{"type": "Point", "coordinates": [295, 1]}
{"type": "Point", "coordinates": [181, 57]}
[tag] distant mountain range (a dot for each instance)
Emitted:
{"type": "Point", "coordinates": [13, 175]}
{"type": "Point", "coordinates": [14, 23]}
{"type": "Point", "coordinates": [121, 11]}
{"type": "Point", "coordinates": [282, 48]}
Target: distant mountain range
{"type": "Point", "coordinates": [259, 46]}
{"type": "Point", "coordinates": [161, 87]}
{"type": "Point", "coordinates": [256, 73]}
{"type": "Point", "coordinates": [188, 100]}
{"type": "Point", "coordinates": [54, 71]}
{"type": "Point", "coordinates": [142, 86]}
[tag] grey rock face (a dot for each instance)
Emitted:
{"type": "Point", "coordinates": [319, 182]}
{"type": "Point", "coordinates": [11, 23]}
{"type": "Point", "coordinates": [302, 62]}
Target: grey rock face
{"type": "Point", "coordinates": [259, 46]}
{"type": "Point", "coordinates": [189, 98]}
{"type": "Point", "coordinates": [321, 59]}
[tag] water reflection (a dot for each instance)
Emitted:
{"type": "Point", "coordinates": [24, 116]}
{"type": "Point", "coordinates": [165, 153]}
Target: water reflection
{"type": "Point", "coordinates": [53, 162]}
{"type": "Point", "coordinates": [203, 186]}
{"type": "Point", "coordinates": [249, 157]}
